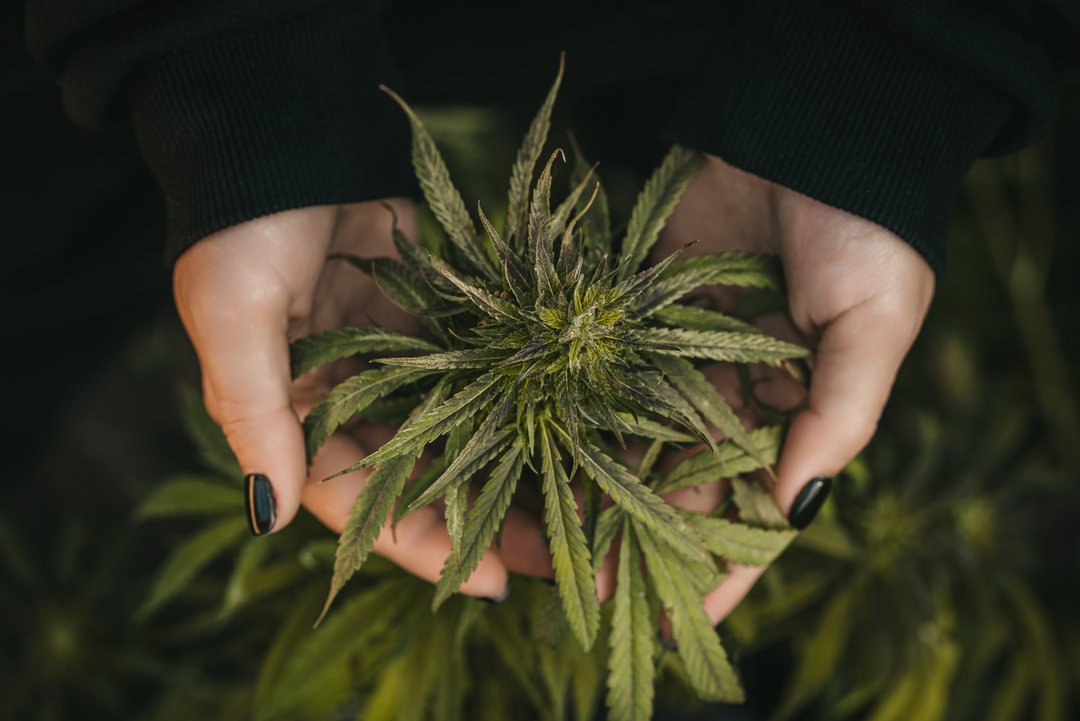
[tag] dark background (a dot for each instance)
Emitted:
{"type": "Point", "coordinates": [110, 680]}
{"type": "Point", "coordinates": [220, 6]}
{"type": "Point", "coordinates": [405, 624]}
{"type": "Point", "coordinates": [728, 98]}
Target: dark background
{"type": "Point", "coordinates": [97, 354]}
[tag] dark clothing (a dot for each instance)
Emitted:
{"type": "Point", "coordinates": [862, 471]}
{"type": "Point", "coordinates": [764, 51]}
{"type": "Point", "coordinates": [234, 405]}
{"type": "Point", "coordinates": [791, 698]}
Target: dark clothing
{"type": "Point", "coordinates": [879, 108]}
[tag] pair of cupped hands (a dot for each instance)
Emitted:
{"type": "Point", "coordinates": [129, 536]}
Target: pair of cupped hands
{"type": "Point", "coordinates": [857, 296]}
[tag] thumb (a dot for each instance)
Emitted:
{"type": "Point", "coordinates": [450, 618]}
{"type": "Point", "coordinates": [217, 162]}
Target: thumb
{"type": "Point", "coordinates": [236, 292]}
{"type": "Point", "coordinates": [855, 366]}
{"type": "Point", "coordinates": [246, 382]}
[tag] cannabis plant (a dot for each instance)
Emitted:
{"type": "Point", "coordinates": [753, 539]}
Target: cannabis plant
{"type": "Point", "coordinates": [547, 347]}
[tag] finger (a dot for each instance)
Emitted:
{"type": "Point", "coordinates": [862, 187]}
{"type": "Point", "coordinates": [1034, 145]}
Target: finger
{"type": "Point", "coordinates": [855, 366]}
{"type": "Point", "coordinates": [722, 600]}
{"type": "Point", "coordinates": [246, 383]}
{"type": "Point", "coordinates": [236, 292]}
{"type": "Point", "coordinates": [420, 544]}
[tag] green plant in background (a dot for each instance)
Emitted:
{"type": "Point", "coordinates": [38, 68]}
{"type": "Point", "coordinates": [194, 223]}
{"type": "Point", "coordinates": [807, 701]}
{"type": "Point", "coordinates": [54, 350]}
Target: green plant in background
{"type": "Point", "coordinates": [545, 350]}
{"type": "Point", "coordinates": [66, 649]}
{"type": "Point", "coordinates": [383, 654]}
{"type": "Point", "coordinates": [912, 599]}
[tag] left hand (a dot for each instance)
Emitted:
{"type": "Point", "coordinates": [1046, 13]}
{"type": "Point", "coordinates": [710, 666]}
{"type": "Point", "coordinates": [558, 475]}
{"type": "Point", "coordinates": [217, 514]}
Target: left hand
{"type": "Point", "coordinates": [857, 296]}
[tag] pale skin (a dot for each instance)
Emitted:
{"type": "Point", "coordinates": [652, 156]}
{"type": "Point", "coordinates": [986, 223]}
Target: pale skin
{"type": "Point", "coordinates": [857, 294]}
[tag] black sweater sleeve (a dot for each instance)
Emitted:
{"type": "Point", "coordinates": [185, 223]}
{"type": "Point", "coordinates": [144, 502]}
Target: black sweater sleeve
{"type": "Point", "coordinates": [240, 107]}
{"type": "Point", "coordinates": [246, 107]}
{"type": "Point", "coordinates": [879, 108]}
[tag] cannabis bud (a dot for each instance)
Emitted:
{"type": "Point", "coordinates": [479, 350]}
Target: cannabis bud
{"type": "Point", "coordinates": [546, 347]}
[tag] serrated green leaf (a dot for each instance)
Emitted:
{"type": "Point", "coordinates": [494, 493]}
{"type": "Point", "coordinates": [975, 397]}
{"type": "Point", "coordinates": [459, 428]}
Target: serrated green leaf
{"type": "Point", "coordinates": [450, 360]}
{"type": "Point", "coordinates": [418, 485]}
{"type": "Point", "coordinates": [365, 522]}
{"type": "Point", "coordinates": [638, 501]}
{"type": "Point", "coordinates": [655, 394]}
{"type": "Point", "coordinates": [541, 243]}
{"type": "Point", "coordinates": [607, 527]}
{"type": "Point", "coordinates": [441, 195]}
{"type": "Point", "coordinates": [455, 505]}
{"type": "Point", "coordinates": [703, 395]}
{"type": "Point", "coordinates": [434, 423]}
{"type": "Point", "coordinates": [738, 542]}
{"type": "Point", "coordinates": [652, 455]}
{"type": "Point", "coordinates": [624, 294]}
{"type": "Point", "coordinates": [407, 291]}
{"type": "Point", "coordinates": [728, 462]}
{"type": "Point", "coordinates": [390, 411]}
{"type": "Point", "coordinates": [483, 521]}
{"type": "Point", "coordinates": [494, 306]}
{"type": "Point", "coordinates": [322, 348]}
{"type": "Point", "coordinates": [573, 207]}
{"type": "Point", "coordinates": [482, 446]}
{"type": "Point", "coordinates": [569, 551]}
{"type": "Point", "coordinates": [719, 346]}
{"type": "Point", "coordinates": [735, 268]}
{"type": "Point", "coordinates": [707, 666]}
{"type": "Point", "coordinates": [693, 318]}
{"type": "Point", "coordinates": [515, 275]}
{"type": "Point", "coordinates": [190, 496]}
{"type": "Point", "coordinates": [419, 259]}
{"type": "Point", "coordinates": [373, 503]}
{"type": "Point", "coordinates": [757, 506]}
{"type": "Point", "coordinates": [655, 203]}
{"type": "Point", "coordinates": [349, 398]}
{"type": "Point", "coordinates": [188, 559]}
{"type": "Point", "coordinates": [648, 428]}
{"type": "Point", "coordinates": [528, 155]}
{"type": "Point", "coordinates": [631, 669]}
{"type": "Point", "coordinates": [596, 228]}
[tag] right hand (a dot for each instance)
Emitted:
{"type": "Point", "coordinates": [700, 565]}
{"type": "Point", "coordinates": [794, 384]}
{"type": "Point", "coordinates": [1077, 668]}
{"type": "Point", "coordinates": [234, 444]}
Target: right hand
{"type": "Point", "coordinates": [242, 294]}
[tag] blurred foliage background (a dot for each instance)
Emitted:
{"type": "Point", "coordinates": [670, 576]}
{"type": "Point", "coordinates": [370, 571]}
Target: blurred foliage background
{"type": "Point", "coordinates": [941, 581]}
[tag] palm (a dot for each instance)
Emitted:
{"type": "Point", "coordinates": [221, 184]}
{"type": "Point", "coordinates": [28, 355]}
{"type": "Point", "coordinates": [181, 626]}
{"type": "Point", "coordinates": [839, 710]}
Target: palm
{"type": "Point", "coordinates": [857, 296]}
{"type": "Point", "coordinates": [243, 293]}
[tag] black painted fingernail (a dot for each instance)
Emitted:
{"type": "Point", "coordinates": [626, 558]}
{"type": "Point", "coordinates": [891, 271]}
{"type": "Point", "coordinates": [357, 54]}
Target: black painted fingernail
{"type": "Point", "coordinates": [497, 599]}
{"type": "Point", "coordinates": [259, 502]}
{"type": "Point", "coordinates": [666, 642]}
{"type": "Point", "coordinates": [809, 501]}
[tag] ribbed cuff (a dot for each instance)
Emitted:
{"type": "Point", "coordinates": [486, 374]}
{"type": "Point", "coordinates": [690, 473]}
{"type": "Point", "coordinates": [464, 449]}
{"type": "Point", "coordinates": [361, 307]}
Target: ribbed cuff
{"type": "Point", "coordinates": [280, 118]}
{"type": "Point", "coordinates": [816, 97]}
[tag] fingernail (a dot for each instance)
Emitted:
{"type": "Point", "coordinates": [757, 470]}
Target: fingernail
{"type": "Point", "coordinates": [666, 642]}
{"type": "Point", "coordinates": [259, 501]}
{"type": "Point", "coordinates": [809, 502]}
{"type": "Point", "coordinates": [497, 599]}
